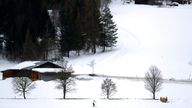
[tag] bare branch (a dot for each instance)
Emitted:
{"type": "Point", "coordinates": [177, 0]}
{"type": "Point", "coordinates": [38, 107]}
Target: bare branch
{"type": "Point", "coordinates": [153, 80]}
{"type": "Point", "coordinates": [22, 85]}
{"type": "Point", "coordinates": [65, 83]}
{"type": "Point", "coordinates": [108, 88]}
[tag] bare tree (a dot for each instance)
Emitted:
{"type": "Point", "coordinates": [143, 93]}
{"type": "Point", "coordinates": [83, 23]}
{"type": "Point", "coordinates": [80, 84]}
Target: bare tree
{"type": "Point", "coordinates": [92, 65]}
{"type": "Point", "coordinates": [153, 80]}
{"type": "Point", "coordinates": [22, 85]}
{"type": "Point", "coordinates": [65, 82]}
{"type": "Point", "coordinates": [108, 87]}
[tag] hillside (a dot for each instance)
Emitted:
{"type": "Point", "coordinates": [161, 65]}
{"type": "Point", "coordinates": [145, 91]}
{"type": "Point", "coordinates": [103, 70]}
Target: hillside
{"type": "Point", "coordinates": [147, 35]}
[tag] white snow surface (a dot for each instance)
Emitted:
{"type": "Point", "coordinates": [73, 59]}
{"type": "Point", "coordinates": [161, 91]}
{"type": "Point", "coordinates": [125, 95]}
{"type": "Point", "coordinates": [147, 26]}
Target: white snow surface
{"type": "Point", "coordinates": [147, 35]}
{"type": "Point", "coordinates": [24, 64]}
{"type": "Point", "coordinates": [43, 70]}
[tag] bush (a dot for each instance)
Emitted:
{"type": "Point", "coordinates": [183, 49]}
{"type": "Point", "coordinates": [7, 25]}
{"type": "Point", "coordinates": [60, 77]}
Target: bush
{"type": "Point", "coordinates": [164, 99]}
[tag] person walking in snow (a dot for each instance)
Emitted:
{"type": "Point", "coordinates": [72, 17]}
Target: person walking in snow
{"type": "Point", "coordinates": [94, 102]}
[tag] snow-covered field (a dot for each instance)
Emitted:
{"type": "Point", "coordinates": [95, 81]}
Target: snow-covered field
{"type": "Point", "coordinates": [130, 94]}
{"type": "Point", "coordinates": [87, 104]}
{"type": "Point", "coordinates": [148, 35]}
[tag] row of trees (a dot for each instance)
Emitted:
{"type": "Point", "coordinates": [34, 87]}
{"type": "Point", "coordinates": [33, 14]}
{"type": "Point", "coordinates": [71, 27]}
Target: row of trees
{"type": "Point", "coordinates": [89, 33]}
{"type": "Point", "coordinates": [34, 29]}
{"type": "Point", "coordinates": [23, 86]}
{"type": "Point", "coordinates": [153, 83]}
{"type": "Point", "coordinates": [22, 24]}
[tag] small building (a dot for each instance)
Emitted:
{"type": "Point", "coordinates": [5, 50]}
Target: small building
{"type": "Point", "coordinates": [36, 70]}
{"type": "Point", "coordinates": [160, 2]}
{"type": "Point", "coordinates": [141, 1]}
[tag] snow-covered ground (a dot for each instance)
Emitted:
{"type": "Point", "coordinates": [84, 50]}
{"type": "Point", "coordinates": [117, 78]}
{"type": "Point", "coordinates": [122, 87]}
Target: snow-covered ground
{"type": "Point", "coordinates": [130, 94]}
{"type": "Point", "coordinates": [148, 35]}
{"type": "Point", "coordinates": [87, 104]}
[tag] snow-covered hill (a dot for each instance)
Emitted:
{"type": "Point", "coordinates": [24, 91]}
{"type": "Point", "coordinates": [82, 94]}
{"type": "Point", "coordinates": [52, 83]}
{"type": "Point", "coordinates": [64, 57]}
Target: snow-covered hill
{"type": "Point", "coordinates": [148, 35]}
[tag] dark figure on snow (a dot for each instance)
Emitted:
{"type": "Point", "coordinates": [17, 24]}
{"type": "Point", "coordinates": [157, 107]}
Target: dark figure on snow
{"type": "Point", "coordinates": [94, 103]}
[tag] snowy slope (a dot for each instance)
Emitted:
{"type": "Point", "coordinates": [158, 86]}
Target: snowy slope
{"type": "Point", "coordinates": [147, 36]}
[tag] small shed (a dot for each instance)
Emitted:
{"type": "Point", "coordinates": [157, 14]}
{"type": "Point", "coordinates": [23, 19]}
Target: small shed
{"type": "Point", "coordinates": [35, 70]}
{"type": "Point", "coordinates": [142, 1]}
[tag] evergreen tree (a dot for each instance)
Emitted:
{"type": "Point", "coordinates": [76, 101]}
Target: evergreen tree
{"type": "Point", "coordinates": [29, 52]}
{"type": "Point", "coordinates": [105, 3]}
{"type": "Point", "coordinates": [108, 35]}
{"type": "Point", "coordinates": [66, 40]}
{"type": "Point", "coordinates": [91, 24]}
{"type": "Point", "coordinates": [79, 25]}
{"type": "Point", "coordinates": [17, 17]}
{"type": "Point", "coordinates": [1, 43]}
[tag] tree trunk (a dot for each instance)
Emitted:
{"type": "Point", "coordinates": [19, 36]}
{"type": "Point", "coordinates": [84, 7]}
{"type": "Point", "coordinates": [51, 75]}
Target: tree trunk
{"type": "Point", "coordinates": [64, 90]}
{"type": "Point", "coordinates": [103, 49]}
{"type": "Point", "coordinates": [93, 47]}
{"type": "Point", "coordinates": [24, 95]}
{"type": "Point", "coordinates": [78, 52]}
{"type": "Point", "coordinates": [107, 93]}
{"type": "Point", "coordinates": [68, 54]}
{"type": "Point", "coordinates": [94, 50]}
{"type": "Point", "coordinates": [63, 94]}
{"type": "Point", "coordinates": [45, 55]}
{"type": "Point", "coordinates": [153, 95]}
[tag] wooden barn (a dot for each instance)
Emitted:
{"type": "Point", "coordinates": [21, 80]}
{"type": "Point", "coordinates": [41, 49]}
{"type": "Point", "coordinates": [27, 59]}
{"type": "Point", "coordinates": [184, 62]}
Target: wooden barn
{"type": "Point", "coordinates": [35, 70]}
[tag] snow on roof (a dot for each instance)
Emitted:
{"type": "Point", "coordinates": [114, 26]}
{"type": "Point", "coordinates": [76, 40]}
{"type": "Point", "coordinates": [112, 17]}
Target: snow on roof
{"type": "Point", "coordinates": [29, 65]}
{"type": "Point", "coordinates": [33, 65]}
{"type": "Point", "coordinates": [43, 70]}
{"type": "Point", "coordinates": [25, 64]}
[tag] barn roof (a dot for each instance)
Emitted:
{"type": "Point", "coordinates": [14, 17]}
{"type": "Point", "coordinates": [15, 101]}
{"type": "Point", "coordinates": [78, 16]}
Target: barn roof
{"type": "Point", "coordinates": [24, 64]}
{"type": "Point", "coordinates": [35, 64]}
{"type": "Point", "coordinates": [40, 66]}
